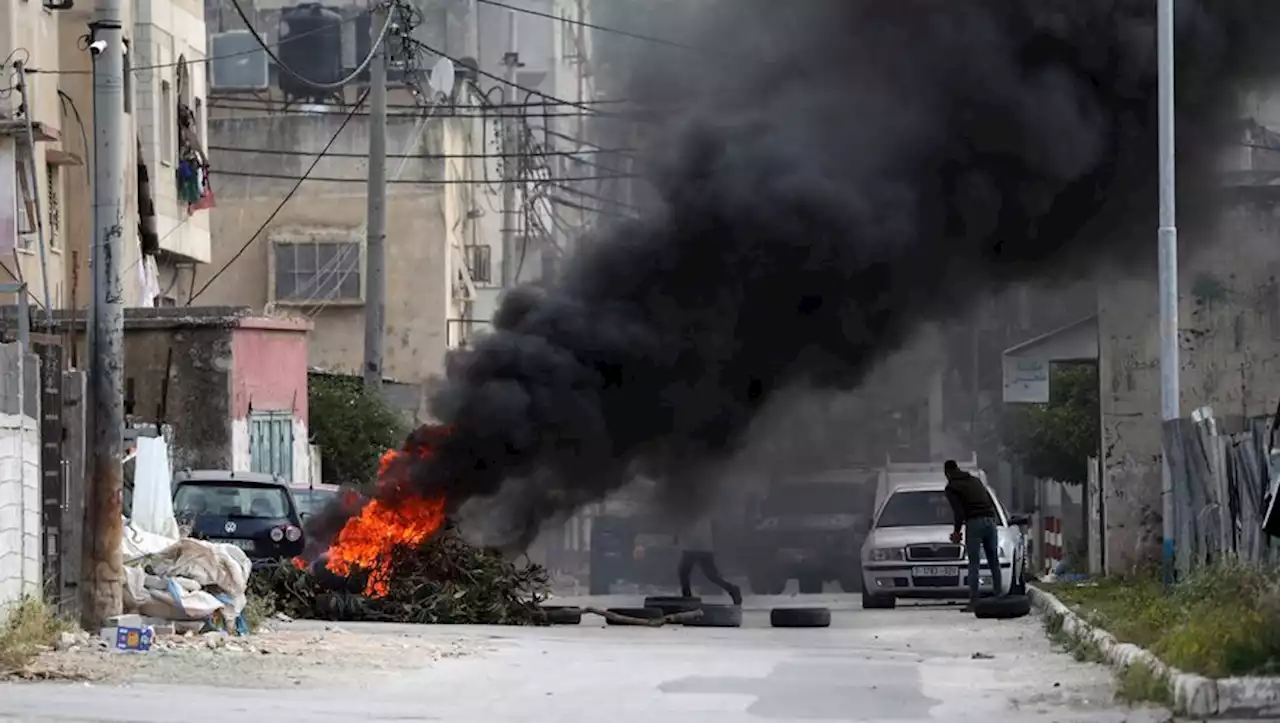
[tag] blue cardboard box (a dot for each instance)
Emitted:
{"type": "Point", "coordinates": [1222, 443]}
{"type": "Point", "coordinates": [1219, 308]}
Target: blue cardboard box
{"type": "Point", "coordinates": [134, 639]}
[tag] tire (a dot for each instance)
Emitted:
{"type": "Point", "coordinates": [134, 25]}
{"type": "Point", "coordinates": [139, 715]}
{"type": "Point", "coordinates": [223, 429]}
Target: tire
{"type": "Point", "coordinates": [766, 583]}
{"type": "Point", "coordinates": [800, 618]}
{"type": "Point", "coordinates": [673, 605]}
{"type": "Point", "coordinates": [811, 585]}
{"type": "Point", "coordinates": [640, 613]}
{"type": "Point", "coordinates": [717, 616]}
{"type": "Point", "coordinates": [878, 602]}
{"type": "Point", "coordinates": [1007, 607]}
{"type": "Point", "coordinates": [561, 615]}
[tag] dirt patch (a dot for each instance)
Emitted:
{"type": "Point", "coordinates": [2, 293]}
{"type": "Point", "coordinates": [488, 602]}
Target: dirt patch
{"type": "Point", "coordinates": [278, 658]}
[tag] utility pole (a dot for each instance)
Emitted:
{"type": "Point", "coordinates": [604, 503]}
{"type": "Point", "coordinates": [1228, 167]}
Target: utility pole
{"type": "Point", "coordinates": [104, 567]}
{"type": "Point", "coordinates": [375, 304]}
{"type": "Point", "coordinates": [1170, 403]}
{"type": "Point", "coordinates": [510, 162]}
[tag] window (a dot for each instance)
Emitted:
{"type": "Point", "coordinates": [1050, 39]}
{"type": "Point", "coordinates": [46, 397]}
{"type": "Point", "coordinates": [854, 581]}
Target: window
{"type": "Point", "coordinates": [309, 272]}
{"type": "Point", "coordinates": [231, 499]}
{"type": "Point", "coordinates": [568, 38]}
{"type": "Point", "coordinates": [168, 124]}
{"type": "Point", "coordinates": [54, 179]}
{"type": "Point", "coordinates": [480, 263]}
{"type": "Point", "coordinates": [921, 508]}
{"type": "Point", "coordinates": [271, 443]}
{"type": "Point", "coordinates": [128, 79]}
{"type": "Point", "coordinates": [26, 205]}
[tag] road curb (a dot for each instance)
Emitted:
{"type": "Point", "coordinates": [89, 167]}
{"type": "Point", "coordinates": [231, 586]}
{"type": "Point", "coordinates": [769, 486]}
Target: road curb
{"type": "Point", "coordinates": [1193, 695]}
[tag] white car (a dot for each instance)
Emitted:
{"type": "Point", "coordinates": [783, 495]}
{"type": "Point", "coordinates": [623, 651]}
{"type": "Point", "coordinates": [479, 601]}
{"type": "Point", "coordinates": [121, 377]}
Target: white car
{"type": "Point", "coordinates": [909, 552]}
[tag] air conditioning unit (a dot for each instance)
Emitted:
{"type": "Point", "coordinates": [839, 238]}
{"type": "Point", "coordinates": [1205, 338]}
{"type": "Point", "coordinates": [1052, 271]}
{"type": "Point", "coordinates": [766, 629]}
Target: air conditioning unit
{"type": "Point", "coordinates": [237, 62]}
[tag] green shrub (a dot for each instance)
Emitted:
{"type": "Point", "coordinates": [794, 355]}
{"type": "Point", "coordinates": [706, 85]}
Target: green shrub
{"type": "Point", "coordinates": [353, 428]}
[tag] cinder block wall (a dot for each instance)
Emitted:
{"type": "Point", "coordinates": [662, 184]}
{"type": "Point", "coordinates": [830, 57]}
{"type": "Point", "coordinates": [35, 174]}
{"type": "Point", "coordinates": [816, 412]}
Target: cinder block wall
{"type": "Point", "coordinates": [19, 478]}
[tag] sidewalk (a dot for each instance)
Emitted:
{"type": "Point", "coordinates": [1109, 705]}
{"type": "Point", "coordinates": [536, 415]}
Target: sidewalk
{"type": "Point", "coordinates": [1208, 646]}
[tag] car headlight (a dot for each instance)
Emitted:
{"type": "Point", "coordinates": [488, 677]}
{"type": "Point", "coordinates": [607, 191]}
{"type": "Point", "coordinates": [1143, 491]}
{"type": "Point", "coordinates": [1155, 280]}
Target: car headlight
{"type": "Point", "coordinates": [886, 554]}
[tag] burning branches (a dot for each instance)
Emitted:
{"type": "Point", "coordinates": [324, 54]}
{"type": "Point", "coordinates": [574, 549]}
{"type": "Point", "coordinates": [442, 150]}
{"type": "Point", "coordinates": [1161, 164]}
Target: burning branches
{"type": "Point", "coordinates": [395, 559]}
{"type": "Point", "coordinates": [442, 579]}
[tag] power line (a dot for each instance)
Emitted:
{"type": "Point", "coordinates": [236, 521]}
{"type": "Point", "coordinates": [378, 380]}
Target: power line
{"type": "Point", "coordinates": [417, 106]}
{"type": "Point", "coordinates": [373, 50]}
{"type": "Point", "coordinates": [593, 26]}
{"type": "Point", "coordinates": [430, 156]}
{"type": "Point", "coordinates": [407, 182]}
{"type": "Point", "coordinates": [480, 112]}
{"type": "Point", "coordinates": [283, 201]}
{"type": "Point", "coordinates": [504, 81]}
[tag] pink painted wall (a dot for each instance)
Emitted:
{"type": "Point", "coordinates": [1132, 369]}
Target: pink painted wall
{"type": "Point", "coordinates": [270, 367]}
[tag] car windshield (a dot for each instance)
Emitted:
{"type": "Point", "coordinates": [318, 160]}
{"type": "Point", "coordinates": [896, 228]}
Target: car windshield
{"type": "Point", "coordinates": [312, 501]}
{"type": "Point", "coordinates": [916, 508]}
{"type": "Point", "coordinates": [225, 499]}
{"type": "Point", "coordinates": [811, 499]}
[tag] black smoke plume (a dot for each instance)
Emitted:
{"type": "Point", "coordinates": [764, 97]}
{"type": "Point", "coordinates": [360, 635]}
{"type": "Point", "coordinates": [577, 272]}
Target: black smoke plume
{"type": "Point", "coordinates": [838, 172]}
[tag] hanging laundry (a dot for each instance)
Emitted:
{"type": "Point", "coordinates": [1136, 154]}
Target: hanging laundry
{"type": "Point", "coordinates": [193, 164]}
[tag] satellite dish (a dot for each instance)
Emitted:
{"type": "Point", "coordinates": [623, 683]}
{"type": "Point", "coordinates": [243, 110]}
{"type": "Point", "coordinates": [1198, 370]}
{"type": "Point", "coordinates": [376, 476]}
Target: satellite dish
{"type": "Point", "coordinates": [442, 77]}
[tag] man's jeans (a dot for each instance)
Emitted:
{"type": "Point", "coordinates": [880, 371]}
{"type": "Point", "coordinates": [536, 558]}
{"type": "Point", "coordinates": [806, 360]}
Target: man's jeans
{"type": "Point", "coordinates": [982, 534]}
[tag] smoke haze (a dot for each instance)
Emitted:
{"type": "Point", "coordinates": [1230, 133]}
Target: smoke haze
{"type": "Point", "coordinates": [839, 173]}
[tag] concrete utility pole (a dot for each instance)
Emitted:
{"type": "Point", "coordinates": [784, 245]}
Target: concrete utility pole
{"type": "Point", "coordinates": [104, 568]}
{"type": "Point", "coordinates": [510, 147]}
{"type": "Point", "coordinates": [375, 303]}
{"type": "Point", "coordinates": [1170, 403]}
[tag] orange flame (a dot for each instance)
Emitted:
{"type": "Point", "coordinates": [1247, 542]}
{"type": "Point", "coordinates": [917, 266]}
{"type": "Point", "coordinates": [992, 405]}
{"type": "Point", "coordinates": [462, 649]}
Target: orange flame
{"type": "Point", "coordinates": [367, 540]}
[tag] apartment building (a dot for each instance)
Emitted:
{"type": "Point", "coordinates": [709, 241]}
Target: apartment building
{"type": "Point", "coordinates": [48, 242]}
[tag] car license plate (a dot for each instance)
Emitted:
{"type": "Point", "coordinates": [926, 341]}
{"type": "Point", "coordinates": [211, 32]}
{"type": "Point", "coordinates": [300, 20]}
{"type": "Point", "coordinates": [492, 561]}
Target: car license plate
{"type": "Point", "coordinates": [246, 545]}
{"type": "Point", "coordinates": [935, 571]}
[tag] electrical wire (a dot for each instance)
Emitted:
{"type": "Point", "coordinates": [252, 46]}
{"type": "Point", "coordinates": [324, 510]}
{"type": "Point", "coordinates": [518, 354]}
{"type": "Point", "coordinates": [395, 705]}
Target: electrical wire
{"type": "Point", "coordinates": [438, 104]}
{"type": "Point", "coordinates": [404, 181]}
{"type": "Point", "coordinates": [224, 103]}
{"type": "Point", "coordinates": [593, 26]}
{"type": "Point", "coordinates": [373, 50]}
{"type": "Point", "coordinates": [510, 83]}
{"type": "Point", "coordinates": [355, 106]}
{"type": "Point", "coordinates": [428, 156]}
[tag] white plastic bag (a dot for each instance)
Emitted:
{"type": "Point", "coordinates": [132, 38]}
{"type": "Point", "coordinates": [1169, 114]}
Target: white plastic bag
{"type": "Point", "coordinates": [152, 491]}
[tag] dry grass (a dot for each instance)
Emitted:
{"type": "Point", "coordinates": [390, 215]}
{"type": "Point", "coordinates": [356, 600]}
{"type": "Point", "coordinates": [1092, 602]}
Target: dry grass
{"type": "Point", "coordinates": [30, 627]}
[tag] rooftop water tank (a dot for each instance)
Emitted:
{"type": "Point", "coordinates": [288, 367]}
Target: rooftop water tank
{"type": "Point", "coordinates": [311, 46]}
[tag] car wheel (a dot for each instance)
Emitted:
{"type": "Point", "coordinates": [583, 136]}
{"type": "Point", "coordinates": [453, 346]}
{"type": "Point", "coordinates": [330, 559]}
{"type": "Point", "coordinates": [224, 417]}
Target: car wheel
{"type": "Point", "coordinates": [1007, 607]}
{"type": "Point", "coordinates": [800, 617]}
{"type": "Point", "coordinates": [878, 602]}
{"type": "Point", "coordinates": [811, 584]}
{"type": "Point", "coordinates": [1019, 584]}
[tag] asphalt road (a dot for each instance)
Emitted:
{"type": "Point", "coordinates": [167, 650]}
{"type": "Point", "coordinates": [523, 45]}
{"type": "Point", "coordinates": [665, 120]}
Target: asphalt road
{"type": "Point", "coordinates": [913, 664]}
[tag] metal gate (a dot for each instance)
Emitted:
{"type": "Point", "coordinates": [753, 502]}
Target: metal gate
{"type": "Point", "coordinates": [53, 488]}
{"type": "Point", "coordinates": [271, 443]}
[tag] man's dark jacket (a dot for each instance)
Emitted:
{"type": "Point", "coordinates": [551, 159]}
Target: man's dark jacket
{"type": "Point", "coordinates": [969, 499]}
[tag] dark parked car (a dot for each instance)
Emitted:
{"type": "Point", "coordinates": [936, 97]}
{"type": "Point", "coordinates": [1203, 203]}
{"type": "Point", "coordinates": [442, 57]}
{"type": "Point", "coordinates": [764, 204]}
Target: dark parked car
{"type": "Point", "coordinates": [253, 511]}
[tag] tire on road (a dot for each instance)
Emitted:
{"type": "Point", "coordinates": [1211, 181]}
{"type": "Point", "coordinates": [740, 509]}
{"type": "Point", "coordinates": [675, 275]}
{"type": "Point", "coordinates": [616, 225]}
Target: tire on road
{"type": "Point", "coordinates": [717, 616]}
{"type": "Point", "coordinates": [645, 613]}
{"type": "Point", "coordinates": [1007, 607]}
{"type": "Point", "coordinates": [673, 605]}
{"type": "Point", "coordinates": [878, 602]}
{"type": "Point", "coordinates": [561, 615]}
{"type": "Point", "coordinates": [800, 617]}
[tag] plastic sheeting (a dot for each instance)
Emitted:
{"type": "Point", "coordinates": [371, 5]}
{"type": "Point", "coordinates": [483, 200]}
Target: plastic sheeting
{"type": "Point", "coordinates": [188, 579]}
{"type": "Point", "coordinates": [152, 489]}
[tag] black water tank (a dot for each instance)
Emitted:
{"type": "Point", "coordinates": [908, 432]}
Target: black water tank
{"type": "Point", "coordinates": [311, 45]}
